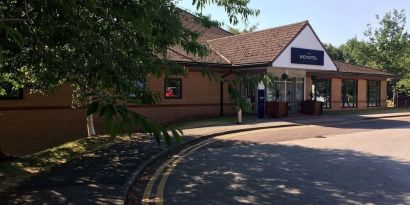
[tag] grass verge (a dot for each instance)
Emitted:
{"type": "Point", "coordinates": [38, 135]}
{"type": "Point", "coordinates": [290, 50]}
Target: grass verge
{"type": "Point", "coordinates": [14, 172]}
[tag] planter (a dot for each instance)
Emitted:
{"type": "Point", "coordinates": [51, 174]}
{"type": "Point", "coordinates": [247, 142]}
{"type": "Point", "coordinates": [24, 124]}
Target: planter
{"type": "Point", "coordinates": [311, 107]}
{"type": "Point", "coordinates": [276, 109]}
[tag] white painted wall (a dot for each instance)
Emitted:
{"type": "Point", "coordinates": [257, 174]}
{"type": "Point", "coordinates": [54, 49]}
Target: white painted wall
{"type": "Point", "coordinates": [306, 39]}
{"type": "Point", "coordinates": [291, 72]}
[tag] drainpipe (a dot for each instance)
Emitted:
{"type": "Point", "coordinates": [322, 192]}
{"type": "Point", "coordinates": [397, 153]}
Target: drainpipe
{"type": "Point", "coordinates": [221, 111]}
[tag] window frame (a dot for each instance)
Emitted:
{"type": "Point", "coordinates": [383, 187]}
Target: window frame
{"type": "Point", "coordinates": [327, 105]}
{"type": "Point", "coordinates": [378, 83]}
{"type": "Point", "coordinates": [355, 102]}
{"type": "Point", "coordinates": [19, 95]}
{"type": "Point", "coordinates": [165, 89]}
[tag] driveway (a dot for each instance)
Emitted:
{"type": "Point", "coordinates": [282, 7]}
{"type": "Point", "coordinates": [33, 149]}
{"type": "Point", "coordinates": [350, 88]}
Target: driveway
{"type": "Point", "coordinates": [364, 162]}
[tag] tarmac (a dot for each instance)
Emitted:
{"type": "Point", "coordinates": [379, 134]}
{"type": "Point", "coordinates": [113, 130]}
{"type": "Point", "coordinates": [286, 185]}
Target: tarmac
{"type": "Point", "coordinates": [104, 177]}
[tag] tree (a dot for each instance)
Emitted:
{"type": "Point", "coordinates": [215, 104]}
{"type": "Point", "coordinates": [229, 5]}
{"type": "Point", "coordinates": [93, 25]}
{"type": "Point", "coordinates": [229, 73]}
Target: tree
{"type": "Point", "coordinates": [334, 52]}
{"type": "Point", "coordinates": [104, 49]}
{"type": "Point", "coordinates": [247, 29]}
{"type": "Point", "coordinates": [358, 52]}
{"type": "Point", "coordinates": [387, 48]}
{"type": "Point", "coordinates": [237, 87]}
{"type": "Point", "coordinates": [391, 42]}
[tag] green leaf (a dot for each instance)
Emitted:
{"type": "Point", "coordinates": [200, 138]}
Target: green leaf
{"type": "Point", "coordinates": [92, 108]}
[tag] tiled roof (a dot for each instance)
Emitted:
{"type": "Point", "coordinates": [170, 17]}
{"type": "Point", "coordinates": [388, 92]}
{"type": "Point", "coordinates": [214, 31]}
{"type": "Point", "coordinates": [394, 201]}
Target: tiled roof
{"type": "Point", "coordinates": [349, 68]}
{"type": "Point", "coordinates": [249, 48]}
{"type": "Point", "coordinates": [179, 55]}
{"type": "Point", "coordinates": [256, 47]}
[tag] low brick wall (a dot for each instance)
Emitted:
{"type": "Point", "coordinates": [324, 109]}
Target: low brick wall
{"type": "Point", "coordinates": [27, 131]}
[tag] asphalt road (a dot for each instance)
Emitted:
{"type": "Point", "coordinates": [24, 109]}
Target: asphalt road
{"type": "Point", "coordinates": [365, 162]}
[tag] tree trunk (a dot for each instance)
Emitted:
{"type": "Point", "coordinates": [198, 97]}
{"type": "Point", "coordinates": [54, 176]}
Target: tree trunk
{"type": "Point", "coordinates": [2, 156]}
{"type": "Point", "coordinates": [239, 114]}
{"type": "Point", "coordinates": [90, 123]}
{"type": "Point", "coordinates": [90, 126]}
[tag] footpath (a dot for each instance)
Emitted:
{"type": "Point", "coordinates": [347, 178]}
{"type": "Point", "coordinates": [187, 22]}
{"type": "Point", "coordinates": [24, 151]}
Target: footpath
{"type": "Point", "coordinates": [104, 176]}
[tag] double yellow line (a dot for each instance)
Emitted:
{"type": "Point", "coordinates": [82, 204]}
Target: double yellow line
{"type": "Point", "coordinates": [165, 170]}
{"type": "Point", "coordinates": [168, 167]}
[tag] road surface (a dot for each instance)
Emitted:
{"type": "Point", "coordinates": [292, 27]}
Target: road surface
{"type": "Point", "coordinates": [363, 162]}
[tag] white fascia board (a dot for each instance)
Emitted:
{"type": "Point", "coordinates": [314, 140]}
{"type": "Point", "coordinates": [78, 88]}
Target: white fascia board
{"type": "Point", "coordinates": [306, 39]}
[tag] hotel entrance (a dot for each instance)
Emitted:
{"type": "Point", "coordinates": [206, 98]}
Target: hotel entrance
{"type": "Point", "coordinates": [291, 90]}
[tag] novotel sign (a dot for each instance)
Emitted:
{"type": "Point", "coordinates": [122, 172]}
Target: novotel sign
{"type": "Point", "coordinates": [307, 56]}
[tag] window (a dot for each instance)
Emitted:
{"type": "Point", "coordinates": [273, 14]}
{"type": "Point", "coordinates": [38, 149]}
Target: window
{"type": "Point", "coordinates": [173, 88]}
{"type": "Point", "coordinates": [138, 90]}
{"type": "Point", "coordinates": [349, 93]}
{"type": "Point", "coordinates": [276, 92]}
{"type": "Point", "coordinates": [321, 91]}
{"type": "Point", "coordinates": [10, 92]}
{"type": "Point", "coordinates": [373, 93]}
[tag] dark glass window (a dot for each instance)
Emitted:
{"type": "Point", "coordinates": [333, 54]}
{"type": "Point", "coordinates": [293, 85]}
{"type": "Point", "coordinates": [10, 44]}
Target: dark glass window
{"type": "Point", "coordinates": [173, 88]}
{"type": "Point", "coordinates": [373, 93]}
{"type": "Point", "coordinates": [321, 90]}
{"type": "Point", "coordinates": [10, 92]}
{"type": "Point", "coordinates": [349, 93]}
{"type": "Point", "coordinates": [140, 86]}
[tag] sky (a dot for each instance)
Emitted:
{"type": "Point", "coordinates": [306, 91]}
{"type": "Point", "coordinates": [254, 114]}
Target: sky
{"type": "Point", "coordinates": [334, 21]}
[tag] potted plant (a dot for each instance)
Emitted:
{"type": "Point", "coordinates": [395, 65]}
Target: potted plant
{"type": "Point", "coordinates": [312, 106]}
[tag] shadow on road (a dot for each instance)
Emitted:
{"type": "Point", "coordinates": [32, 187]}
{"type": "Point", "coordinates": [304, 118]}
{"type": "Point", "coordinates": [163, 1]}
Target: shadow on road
{"type": "Point", "coordinates": [96, 178]}
{"type": "Point", "coordinates": [232, 172]}
{"type": "Point", "coordinates": [354, 122]}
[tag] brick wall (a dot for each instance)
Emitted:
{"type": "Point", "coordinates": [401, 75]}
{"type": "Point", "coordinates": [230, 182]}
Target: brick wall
{"type": "Point", "coordinates": [27, 131]}
{"type": "Point", "coordinates": [308, 88]}
{"type": "Point", "coordinates": [196, 89]}
{"type": "Point", "coordinates": [362, 94]}
{"type": "Point", "coordinates": [60, 98]}
{"type": "Point", "coordinates": [336, 93]}
{"type": "Point", "coordinates": [37, 122]}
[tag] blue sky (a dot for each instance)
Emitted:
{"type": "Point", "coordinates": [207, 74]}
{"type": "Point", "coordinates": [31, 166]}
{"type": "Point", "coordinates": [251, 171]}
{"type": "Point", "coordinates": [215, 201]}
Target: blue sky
{"type": "Point", "coordinates": [334, 21]}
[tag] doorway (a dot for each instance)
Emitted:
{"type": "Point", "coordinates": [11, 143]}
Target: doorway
{"type": "Point", "coordinates": [291, 90]}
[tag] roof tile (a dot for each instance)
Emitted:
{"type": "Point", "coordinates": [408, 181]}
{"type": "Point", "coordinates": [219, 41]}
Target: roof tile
{"type": "Point", "coordinates": [350, 68]}
{"type": "Point", "coordinates": [179, 55]}
{"type": "Point", "coordinates": [256, 47]}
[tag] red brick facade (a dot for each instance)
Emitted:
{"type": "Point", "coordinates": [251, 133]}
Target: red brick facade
{"type": "Point", "coordinates": [37, 122]}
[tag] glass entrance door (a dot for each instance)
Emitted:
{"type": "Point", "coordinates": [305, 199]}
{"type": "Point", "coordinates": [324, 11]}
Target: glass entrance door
{"type": "Point", "coordinates": [291, 90]}
{"type": "Point", "coordinates": [290, 95]}
{"type": "Point", "coordinates": [299, 93]}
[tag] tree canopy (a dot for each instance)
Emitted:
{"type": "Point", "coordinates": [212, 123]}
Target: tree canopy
{"type": "Point", "coordinates": [247, 29]}
{"type": "Point", "coordinates": [386, 47]}
{"type": "Point", "coordinates": [104, 49]}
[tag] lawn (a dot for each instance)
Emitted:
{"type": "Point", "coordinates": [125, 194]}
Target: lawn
{"type": "Point", "coordinates": [14, 172]}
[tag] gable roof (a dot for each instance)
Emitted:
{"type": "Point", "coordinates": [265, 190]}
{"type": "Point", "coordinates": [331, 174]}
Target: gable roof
{"type": "Point", "coordinates": [259, 47]}
{"type": "Point", "coordinates": [177, 54]}
{"type": "Point", "coordinates": [256, 47]}
{"type": "Point", "coordinates": [350, 68]}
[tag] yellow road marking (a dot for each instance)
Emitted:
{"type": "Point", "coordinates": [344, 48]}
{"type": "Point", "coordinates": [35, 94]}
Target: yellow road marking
{"type": "Point", "coordinates": [146, 196]}
{"type": "Point", "coordinates": [161, 186]}
{"type": "Point", "coordinates": [172, 163]}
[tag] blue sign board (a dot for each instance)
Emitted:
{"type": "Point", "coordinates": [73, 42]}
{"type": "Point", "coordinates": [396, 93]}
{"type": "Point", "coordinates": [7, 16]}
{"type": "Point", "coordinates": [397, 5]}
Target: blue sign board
{"type": "Point", "coordinates": [307, 56]}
